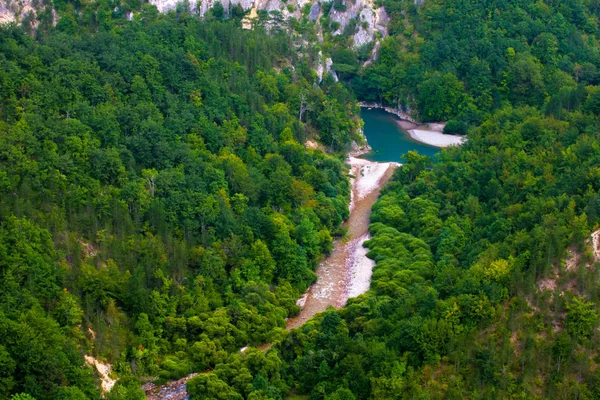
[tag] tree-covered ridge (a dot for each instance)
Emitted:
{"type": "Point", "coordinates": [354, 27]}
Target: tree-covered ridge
{"type": "Point", "coordinates": [462, 59]}
{"type": "Point", "coordinates": [157, 207]}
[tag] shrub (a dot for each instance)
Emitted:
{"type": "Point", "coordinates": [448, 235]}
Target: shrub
{"type": "Point", "coordinates": [454, 127]}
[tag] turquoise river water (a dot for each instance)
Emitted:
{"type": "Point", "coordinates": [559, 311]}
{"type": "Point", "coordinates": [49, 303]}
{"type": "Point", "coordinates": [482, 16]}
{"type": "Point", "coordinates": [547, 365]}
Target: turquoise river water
{"type": "Point", "coordinates": [388, 140]}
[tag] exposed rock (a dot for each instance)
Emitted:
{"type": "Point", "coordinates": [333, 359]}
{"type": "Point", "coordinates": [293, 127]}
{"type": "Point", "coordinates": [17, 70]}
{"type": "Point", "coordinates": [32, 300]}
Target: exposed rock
{"type": "Point", "coordinates": [404, 114]}
{"type": "Point", "coordinates": [164, 5]}
{"type": "Point", "coordinates": [370, 20]}
{"type": "Point", "coordinates": [175, 390]}
{"type": "Point", "coordinates": [269, 5]}
{"type": "Point", "coordinates": [374, 53]}
{"type": "Point", "coordinates": [329, 69]}
{"type": "Point", "coordinates": [6, 14]}
{"type": "Point", "coordinates": [315, 9]}
{"type": "Point", "coordinates": [248, 20]}
{"type": "Point", "coordinates": [104, 371]}
{"type": "Point", "coordinates": [366, 27]}
{"type": "Point", "coordinates": [381, 21]}
{"type": "Point", "coordinates": [358, 150]}
{"type": "Point", "coordinates": [202, 6]}
{"type": "Point", "coordinates": [245, 4]}
{"type": "Point", "coordinates": [15, 10]}
{"type": "Point", "coordinates": [352, 11]}
{"type": "Point", "coordinates": [302, 3]}
{"type": "Point", "coordinates": [314, 145]}
{"type": "Point", "coordinates": [324, 65]}
{"type": "Point", "coordinates": [320, 68]}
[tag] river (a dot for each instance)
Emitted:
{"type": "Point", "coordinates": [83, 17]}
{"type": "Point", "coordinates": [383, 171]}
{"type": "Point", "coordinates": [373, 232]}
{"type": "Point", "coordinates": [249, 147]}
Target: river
{"type": "Point", "coordinates": [346, 272]}
{"type": "Point", "coordinates": [388, 139]}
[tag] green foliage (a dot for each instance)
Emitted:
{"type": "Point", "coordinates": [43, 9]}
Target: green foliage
{"type": "Point", "coordinates": [218, 11]}
{"type": "Point", "coordinates": [22, 396]}
{"type": "Point", "coordinates": [454, 127]}
{"type": "Point", "coordinates": [440, 97]}
{"type": "Point", "coordinates": [339, 5]}
{"type": "Point", "coordinates": [531, 53]}
{"type": "Point", "coordinates": [454, 308]}
{"type": "Point", "coordinates": [157, 207]}
{"type": "Point", "coordinates": [582, 318]}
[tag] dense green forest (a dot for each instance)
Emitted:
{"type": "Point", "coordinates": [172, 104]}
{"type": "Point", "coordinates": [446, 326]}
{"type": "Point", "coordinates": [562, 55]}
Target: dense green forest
{"type": "Point", "coordinates": [158, 208]}
{"type": "Point", "coordinates": [463, 59]}
{"type": "Point", "coordinates": [474, 294]}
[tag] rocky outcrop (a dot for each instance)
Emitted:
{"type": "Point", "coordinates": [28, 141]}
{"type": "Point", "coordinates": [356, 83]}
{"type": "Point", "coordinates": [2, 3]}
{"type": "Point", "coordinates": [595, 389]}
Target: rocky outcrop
{"type": "Point", "coordinates": [371, 21]}
{"type": "Point", "coordinates": [15, 10]}
{"type": "Point", "coordinates": [358, 150]}
{"type": "Point", "coordinates": [202, 6]}
{"type": "Point", "coordinates": [405, 114]}
{"type": "Point", "coordinates": [24, 12]}
{"type": "Point", "coordinates": [324, 65]}
{"type": "Point", "coordinates": [104, 371]}
{"type": "Point", "coordinates": [315, 10]}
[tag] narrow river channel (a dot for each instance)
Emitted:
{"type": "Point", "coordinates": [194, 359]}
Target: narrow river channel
{"type": "Point", "coordinates": [346, 272]}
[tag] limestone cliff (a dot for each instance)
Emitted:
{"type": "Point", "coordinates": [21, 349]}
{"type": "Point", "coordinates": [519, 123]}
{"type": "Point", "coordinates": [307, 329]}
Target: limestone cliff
{"type": "Point", "coordinates": [371, 21]}
{"type": "Point", "coordinates": [14, 10]}
{"type": "Point", "coordinates": [367, 22]}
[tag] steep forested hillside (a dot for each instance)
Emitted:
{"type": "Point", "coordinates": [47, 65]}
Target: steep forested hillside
{"type": "Point", "coordinates": [157, 207]}
{"type": "Point", "coordinates": [474, 294]}
{"type": "Point", "coordinates": [462, 59]}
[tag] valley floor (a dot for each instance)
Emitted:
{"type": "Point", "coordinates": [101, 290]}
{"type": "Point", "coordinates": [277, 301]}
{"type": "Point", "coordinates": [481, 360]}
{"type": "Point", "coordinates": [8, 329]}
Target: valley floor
{"type": "Point", "coordinates": [344, 274]}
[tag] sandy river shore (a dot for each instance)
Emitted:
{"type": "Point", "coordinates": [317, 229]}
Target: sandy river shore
{"type": "Point", "coordinates": [346, 272]}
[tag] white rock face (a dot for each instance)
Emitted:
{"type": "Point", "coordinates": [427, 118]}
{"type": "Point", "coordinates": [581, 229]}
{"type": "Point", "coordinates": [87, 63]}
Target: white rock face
{"type": "Point", "coordinates": [6, 14]}
{"type": "Point", "coordinates": [269, 5]}
{"type": "Point", "coordinates": [324, 65]}
{"type": "Point", "coordinates": [330, 71]}
{"type": "Point", "coordinates": [202, 6]}
{"type": "Point", "coordinates": [370, 20]}
{"type": "Point", "coordinates": [381, 21]}
{"type": "Point", "coordinates": [343, 17]}
{"type": "Point", "coordinates": [14, 10]}
{"type": "Point", "coordinates": [366, 27]}
{"type": "Point", "coordinates": [319, 70]}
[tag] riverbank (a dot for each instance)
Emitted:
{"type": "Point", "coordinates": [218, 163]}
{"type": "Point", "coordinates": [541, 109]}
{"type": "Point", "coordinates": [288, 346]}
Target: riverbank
{"type": "Point", "coordinates": [346, 272]}
{"type": "Point", "coordinates": [369, 179]}
{"type": "Point", "coordinates": [436, 139]}
{"type": "Point", "coordinates": [400, 114]}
